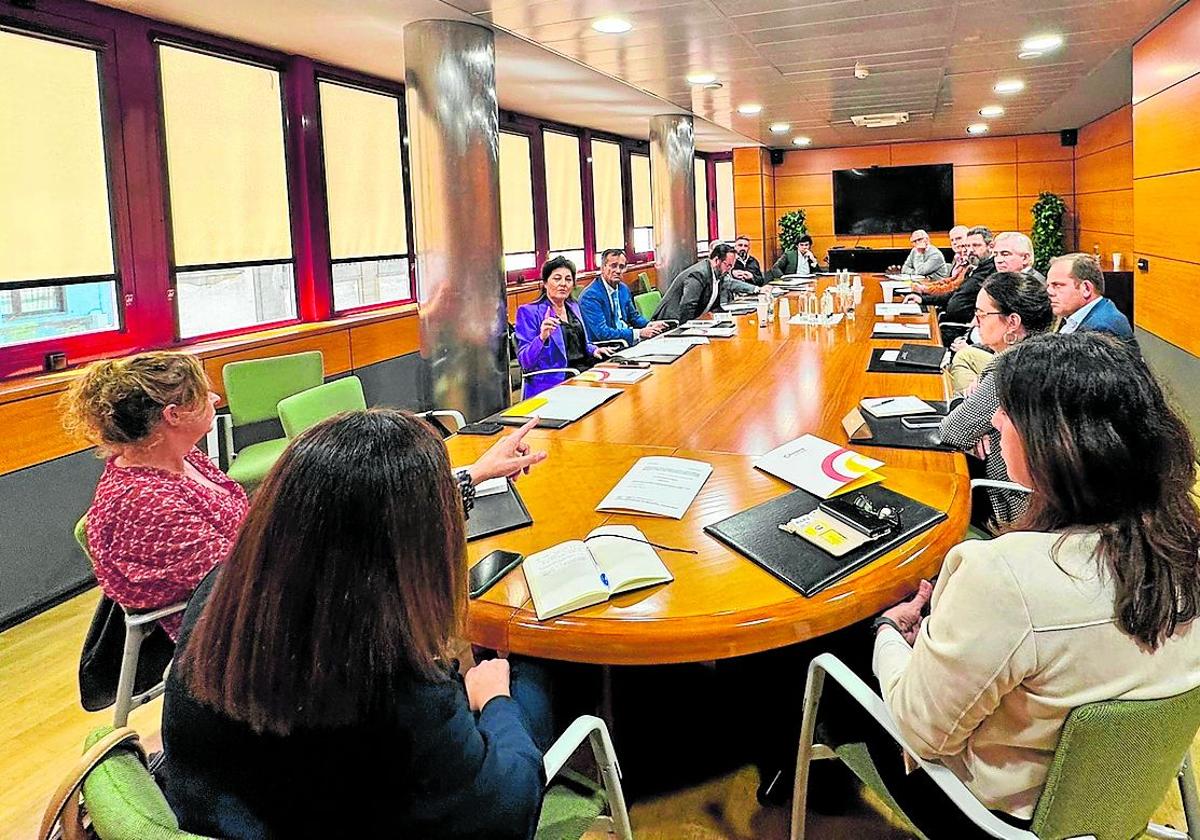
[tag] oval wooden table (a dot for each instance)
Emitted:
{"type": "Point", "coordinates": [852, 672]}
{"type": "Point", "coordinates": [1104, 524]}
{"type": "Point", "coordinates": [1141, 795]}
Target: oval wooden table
{"type": "Point", "coordinates": [723, 403]}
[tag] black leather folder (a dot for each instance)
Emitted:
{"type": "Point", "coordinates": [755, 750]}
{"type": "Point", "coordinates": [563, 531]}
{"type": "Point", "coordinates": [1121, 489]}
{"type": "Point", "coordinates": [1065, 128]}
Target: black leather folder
{"type": "Point", "coordinates": [794, 560]}
{"type": "Point", "coordinates": [497, 513]}
{"type": "Point", "coordinates": [878, 365]}
{"type": "Point", "coordinates": [890, 431]}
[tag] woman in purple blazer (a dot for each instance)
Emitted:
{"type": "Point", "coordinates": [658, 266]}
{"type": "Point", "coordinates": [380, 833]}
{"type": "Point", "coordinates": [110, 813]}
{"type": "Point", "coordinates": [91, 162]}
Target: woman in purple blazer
{"type": "Point", "coordinates": [550, 331]}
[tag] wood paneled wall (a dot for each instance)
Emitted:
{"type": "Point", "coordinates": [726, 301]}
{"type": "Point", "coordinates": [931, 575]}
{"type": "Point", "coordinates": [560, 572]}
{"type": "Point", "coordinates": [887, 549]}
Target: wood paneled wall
{"type": "Point", "coordinates": [1166, 176]}
{"type": "Point", "coordinates": [1104, 186]}
{"type": "Point", "coordinates": [996, 181]}
{"type": "Point", "coordinates": [754, 202]}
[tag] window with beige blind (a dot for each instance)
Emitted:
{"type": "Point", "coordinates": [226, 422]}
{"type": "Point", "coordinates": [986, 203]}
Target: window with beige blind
{"type": "Point", "coordinates": [364, 183]}
{"type": "Point", "coordinates": [726, 224]}
{"type": "Point", "coordinates": [227, 179]}
{"type": "Point", "coordinates": [564, 196]}
{"type": "Point", "coordinates": [58, 274]}
{"type": "Point", "coordinates": [643, 208]}
{"type": "Point", "coordinates": [608, 196]}
{"type": "Point", "coordinates": [700, 166]}
{"type": "Point", "coordinates": [516, 203]}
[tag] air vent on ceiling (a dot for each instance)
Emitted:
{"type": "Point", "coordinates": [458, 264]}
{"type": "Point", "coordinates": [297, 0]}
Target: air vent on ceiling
{"type": "Point", "coordinates": [880, 120]}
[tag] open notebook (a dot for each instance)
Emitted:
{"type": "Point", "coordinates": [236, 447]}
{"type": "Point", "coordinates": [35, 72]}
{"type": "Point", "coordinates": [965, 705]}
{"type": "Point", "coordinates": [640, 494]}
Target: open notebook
{"type": "Point", "coordinates": [579, 573]}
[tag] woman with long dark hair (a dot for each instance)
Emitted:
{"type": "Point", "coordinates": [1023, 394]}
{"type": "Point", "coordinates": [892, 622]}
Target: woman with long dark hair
{"type": "Point", "coordinates": [314, 693]}
{"type": "Point", "coordinates": [1091, 595]}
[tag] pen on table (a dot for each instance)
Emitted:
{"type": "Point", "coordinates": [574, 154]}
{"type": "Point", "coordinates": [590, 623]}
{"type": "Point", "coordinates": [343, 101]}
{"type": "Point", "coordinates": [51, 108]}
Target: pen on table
{"type": "Point", "coordinates": [885, 402]}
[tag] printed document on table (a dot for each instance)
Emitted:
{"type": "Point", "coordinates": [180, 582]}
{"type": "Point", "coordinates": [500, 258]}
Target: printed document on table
{"type": "Point", "coordinates": [562, 402]}
{"type": "Point", "coordinates": [884, 309]}
{"type": "Point", "coordinates": [820, 467]}
{"type": "Point", "coordinates": [659, 486]}
{"type": "Point", "coordinates": [662, 346]}
{"type": "Point", "coordinates": [615, 375]}
{"type": "Point", "coordinates": [885, 328]}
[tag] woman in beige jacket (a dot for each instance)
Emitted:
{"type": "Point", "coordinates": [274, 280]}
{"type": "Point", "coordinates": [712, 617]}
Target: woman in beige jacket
{"type": "Point", "coordinates": [1090, 596]}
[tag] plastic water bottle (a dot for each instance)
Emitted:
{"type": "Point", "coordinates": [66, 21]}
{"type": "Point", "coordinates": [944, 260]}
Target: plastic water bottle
{"type": "Point", "coordinates": [763, 308]}
{"type": "Point", "coordinates": [785, 309]}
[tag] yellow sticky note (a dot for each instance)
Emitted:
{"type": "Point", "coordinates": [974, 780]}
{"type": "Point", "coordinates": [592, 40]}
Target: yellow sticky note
{"type": "Point", "coordinates": [525, 408]}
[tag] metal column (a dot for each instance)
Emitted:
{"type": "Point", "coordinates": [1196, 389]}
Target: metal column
{"type": "Point", "coordinates": [454, 148]}
{"type": "Point", "coordinates": [672, 151]}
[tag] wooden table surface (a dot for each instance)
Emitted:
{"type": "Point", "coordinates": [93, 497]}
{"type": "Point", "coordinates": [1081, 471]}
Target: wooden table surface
{"type": "Point", "coordinates": [723, 403]}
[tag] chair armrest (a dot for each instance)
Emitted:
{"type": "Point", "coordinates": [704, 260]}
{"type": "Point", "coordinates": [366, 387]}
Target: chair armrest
{"type": "Point", "coordinates": [138, 619]}
{"type": "Point", "coordinates": [594, 729]}
{"type": "Point", "coordinates": [950, 784]}
{"type": "Point", "coordinates": [955, 324]}
{"type": "Point", "coordinates": [999, 485]}
{"type": "Point", "coordinates": [456, 416]}
{"type": "Point", "coordinates": [569, 370]}
{"type": "Point", "coordinates": [225, 421]}
{"type": "Point", "coordinates": [612, 342]}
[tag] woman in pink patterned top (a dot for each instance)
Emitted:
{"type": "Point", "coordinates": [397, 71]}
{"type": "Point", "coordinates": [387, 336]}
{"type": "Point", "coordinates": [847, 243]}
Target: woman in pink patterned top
{"type": "Point", "coordinates": [163, 514]}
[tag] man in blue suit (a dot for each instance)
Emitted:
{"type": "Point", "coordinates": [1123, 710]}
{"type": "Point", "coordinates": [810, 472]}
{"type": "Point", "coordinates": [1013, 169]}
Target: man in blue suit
{"type": "Point", "coordinates": [1075, 285]}
{"type": "Point", "coordinates": [607, 306]}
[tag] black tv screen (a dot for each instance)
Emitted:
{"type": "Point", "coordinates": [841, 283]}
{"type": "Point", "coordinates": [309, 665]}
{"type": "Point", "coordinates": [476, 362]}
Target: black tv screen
{"type": "Point", "coordinates": [893, 199]}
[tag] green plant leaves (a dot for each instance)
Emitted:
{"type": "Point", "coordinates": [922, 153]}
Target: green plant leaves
{"type": "Point", "coordinates": [1047, 232]}
{"type": "Point", "coordinates": [792, 225]}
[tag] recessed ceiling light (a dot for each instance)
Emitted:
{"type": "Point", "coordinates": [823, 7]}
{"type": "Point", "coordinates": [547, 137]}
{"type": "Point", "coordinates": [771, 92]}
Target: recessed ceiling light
{"type": "Point", "coordinates": [704, 78]}
{"type": "Point", "coordinates": [991, 111]}
{"type": "Point", "coordinates": [780, 128]}
{"type": "Point", "coordinates": [1041, 43]}
{"type": "Point", "coordinates": [611, 25]}
{"type": "Point", "coordinates": [1028, 54]}
{"type": "Point", "coordinates": [1009, 86]}
{"type": "Point", "coordinates": [977, 128]}
{"type": "Point", "coordinates": [801, 141]}
{"type": "Point", "coordinates": [713, 86]}
{"type": "Point", "coordinates": [749, 109]}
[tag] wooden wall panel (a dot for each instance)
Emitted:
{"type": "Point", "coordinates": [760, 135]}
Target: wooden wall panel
{"type": "Point", "coordinates": [1057, 177]}
{"type": "Point", "coordinates": [1165, 214]}
{"type": "Point", "coordinates": [1110, 212]}
{"type": "Point", "coordinates": [1167, 54]}
{"type": "Point", "coordinates": [1106, 170]}
{"type": "Point", "coordinates": [804, 190]}
{"type": "Point", "coordinates": [1034, 148]}
{"type": "Point", "coordinates": [965, 152]}
{"type": "Point", "coordinates": [335, 346]}
{"type": "Point", "coordinates": [371, 343]}
{"type": "Point", "coordinates": [750, 222]}
{"type": "Point", "coordinates": [1162, 123]}
{"type": "Point", "coordinates": [1108, 131]}
{"type": "Point", "coordinates": [1025, 215]}
{"type": "Point", "coordinates": [748, 190]}
{"type": "Point", "coordinates": [998, 180]}
{"type": "Point", "coordinates": [825, 161]}
{"type": "Point", "coordinates": [747, 161]}
{"type": "Point", "coordinates": [1164, 301]}
{"type": "Point", "coordinates": [34, 433]}
{"type": "Point", "coordinates": [999, 214]}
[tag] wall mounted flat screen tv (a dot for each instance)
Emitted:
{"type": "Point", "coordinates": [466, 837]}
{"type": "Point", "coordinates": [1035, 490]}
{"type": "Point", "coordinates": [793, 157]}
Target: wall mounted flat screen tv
{"type": "Point", "coordinates": [893, 199]}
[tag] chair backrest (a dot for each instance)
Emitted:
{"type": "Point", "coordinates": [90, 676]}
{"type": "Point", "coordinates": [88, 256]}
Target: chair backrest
{"type": "Point", "coordinates": [81, 536]}
{"type": "Point", "coordinates": [253, 388]}
{"type": "Point", "coordinates": [641, 283]}
{"type": "Point", "coordinates": [1114, 762]}
{"type": "Point", "coordinates": [647, 303]}
{"type": "Point", "coordinates": [308, 408]}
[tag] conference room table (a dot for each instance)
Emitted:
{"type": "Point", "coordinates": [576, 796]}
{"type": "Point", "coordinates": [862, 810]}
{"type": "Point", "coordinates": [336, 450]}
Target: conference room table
{"type": "Point", "coordinates": [724, 403]}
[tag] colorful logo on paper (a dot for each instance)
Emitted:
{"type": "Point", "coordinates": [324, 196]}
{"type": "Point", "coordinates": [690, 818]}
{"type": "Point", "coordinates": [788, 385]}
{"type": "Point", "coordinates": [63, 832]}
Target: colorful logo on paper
{"type": "Point", "coordinates": [850, 469]}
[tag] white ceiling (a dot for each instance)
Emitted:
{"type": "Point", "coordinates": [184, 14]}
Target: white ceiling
{"type": "Point", "coordinates": [936, 59]}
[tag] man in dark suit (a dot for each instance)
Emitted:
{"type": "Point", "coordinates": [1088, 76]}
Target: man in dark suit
{"type": "Point", "coordinates": [746, 267]}
{"type": "Point", "coordinates": [694, 291]}
{"type": "Point", "coordinates": [800, 260]}
{"type": "Point", "coordinates": [958, 307]}
{"type": "Point", "coordinates": [1076, 288]}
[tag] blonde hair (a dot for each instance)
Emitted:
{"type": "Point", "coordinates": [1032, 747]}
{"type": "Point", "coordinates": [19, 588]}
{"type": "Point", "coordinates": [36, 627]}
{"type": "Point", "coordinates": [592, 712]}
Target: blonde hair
{"type": "Point", "coordinates": [118, 402]}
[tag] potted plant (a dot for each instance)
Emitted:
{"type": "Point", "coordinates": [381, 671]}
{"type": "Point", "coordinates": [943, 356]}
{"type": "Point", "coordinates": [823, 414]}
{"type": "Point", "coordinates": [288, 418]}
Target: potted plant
{"type": "Point", "coordinates": [792, 225]}
{"type": "Point", "coordinates": [1047, 234]}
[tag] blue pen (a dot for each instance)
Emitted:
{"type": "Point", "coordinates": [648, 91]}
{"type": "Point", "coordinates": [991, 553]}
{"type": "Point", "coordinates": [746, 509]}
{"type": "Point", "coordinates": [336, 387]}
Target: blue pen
{"type": "Point", "coordinates": [604, 579]}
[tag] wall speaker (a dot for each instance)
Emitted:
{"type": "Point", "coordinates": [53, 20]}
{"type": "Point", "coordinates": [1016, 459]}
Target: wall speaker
{"type": "Point", "coordinates": [1069, 136]}
{"type": "Point", "coordinates": [776, 157]}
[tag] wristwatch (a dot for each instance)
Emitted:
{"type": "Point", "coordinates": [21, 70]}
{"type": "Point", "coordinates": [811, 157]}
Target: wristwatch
{"type": "Point", "coordinates": [884, 621]}
{"type": "Point", "coordinates": [467, 487]}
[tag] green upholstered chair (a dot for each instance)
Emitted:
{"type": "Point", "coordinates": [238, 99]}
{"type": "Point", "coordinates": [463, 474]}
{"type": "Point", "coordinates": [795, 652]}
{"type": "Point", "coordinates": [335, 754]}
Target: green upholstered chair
{"type": "Point", "coordinates": [1114, 762]}
{"type": "Point", "coordinates": [648, 302]}
{"type": "Point", "coordinates": [125, 803]}
{"type": "Point", "coordinates": [308, 408]}
{"type": "Point", "coordinates": [138, 626]}
{"type": "Point", "coordinates": [253, 389]}
{"type": "Point", "coordinates": [640, 284]}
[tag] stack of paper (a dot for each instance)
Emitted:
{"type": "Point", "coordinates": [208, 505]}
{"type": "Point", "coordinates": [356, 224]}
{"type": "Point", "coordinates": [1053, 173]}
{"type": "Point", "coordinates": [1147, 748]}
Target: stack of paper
{"type": "Point", "coordinates": [884, 329]}
{"type": "Point", "coordinates": [661, 346]}
{"type": "Point", "coordinates": [894, 287]}
{"type": "Point", "coordinates": [741, 307]}
{"type": "Point", "coordinates": [885, 309]}
{"type": "Point", "coordinates": [487, 487]}
{"type": "Point", "coordinates": [714, 330]}
{"type": "Point", "coordinates": [896, 406]}
{"type": "Point", "coordinates": [562, 402]}
{"type": "Point", "coordinates": [658, 485]}
{"type": "Point", "coordinates": [613, 375]}
{"type": "Point", "coordinates": [820, 467]}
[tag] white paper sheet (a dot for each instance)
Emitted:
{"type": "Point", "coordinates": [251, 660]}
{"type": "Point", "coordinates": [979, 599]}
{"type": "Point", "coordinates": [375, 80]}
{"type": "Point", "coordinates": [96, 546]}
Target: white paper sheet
{"type": "Point", "coordinates": [883, 328]}
{"type": "Point", "coordinates": [659, 486]}
{"type": "Point", "coordinates": [883, 309]}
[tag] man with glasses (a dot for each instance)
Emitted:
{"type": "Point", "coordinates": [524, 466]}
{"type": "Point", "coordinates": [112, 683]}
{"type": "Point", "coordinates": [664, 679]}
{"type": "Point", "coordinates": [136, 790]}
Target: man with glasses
{"type": "Point", "coordinates": [607, 306]}
{"type": "Point", "coordinates": [924, 260]}
{"type": "Point", "coordinates": [746, 267]}
{"type": "Point", "coordinates": [958, 307]}
{"type": "Point", "coordinates": [958, 268]}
